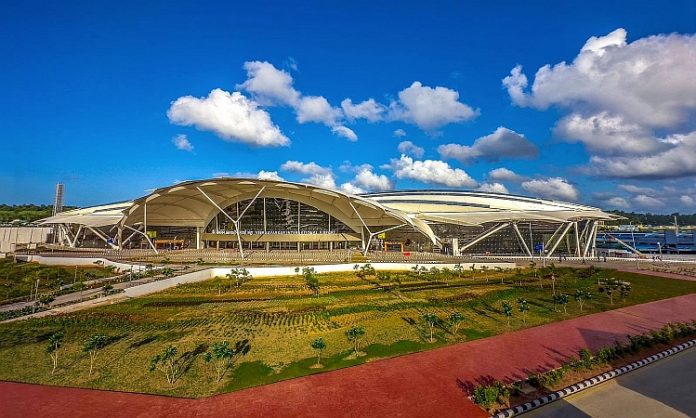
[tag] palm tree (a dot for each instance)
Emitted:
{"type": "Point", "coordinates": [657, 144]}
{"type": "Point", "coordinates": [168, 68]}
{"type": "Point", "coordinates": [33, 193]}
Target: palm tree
{"type": "Point", "coordinates": [354, 334]}
{"type": "Point", "coordinates": [581, 295]}
{"type": "Point", "coordinates": [92, 346]}
{"type": "Point", "coordinates": [55, 342]}
{"type": "Point", "coordinates": [507, 311]}
{"type": "Point", "coordinates": [456, 319]}
{"type": "Point", "coordinates": [523, 306]}
{"type": "Point", "coordinates": [318, 345]}
{"type": "Point", "coordinates": [431, 319]}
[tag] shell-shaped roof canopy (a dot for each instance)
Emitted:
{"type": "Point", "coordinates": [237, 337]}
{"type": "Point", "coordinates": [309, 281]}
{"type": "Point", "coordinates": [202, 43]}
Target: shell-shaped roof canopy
{"type": "Point", "coordinates": [195, 203]}
{"type": "Point", "coordinates": [477, 208]}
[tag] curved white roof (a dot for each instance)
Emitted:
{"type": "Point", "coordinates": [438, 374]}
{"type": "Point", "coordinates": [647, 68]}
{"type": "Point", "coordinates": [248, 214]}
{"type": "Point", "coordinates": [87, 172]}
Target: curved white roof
{"type": "Point", "coordinates": [195, 203]}
{"type": "Point", "coordinates": [476, 208]}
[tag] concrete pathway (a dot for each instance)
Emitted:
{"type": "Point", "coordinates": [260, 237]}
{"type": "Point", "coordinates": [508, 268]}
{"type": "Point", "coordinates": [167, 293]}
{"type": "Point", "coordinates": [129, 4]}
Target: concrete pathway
{"type": "Point", "coordinates": [663, 389]}
{"type": "Point", "coordinates": [427, 384]}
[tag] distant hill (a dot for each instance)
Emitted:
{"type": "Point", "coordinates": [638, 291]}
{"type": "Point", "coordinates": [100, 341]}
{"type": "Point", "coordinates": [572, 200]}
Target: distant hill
{"type": "Point", "coordinates": [653, 219]}
{"type": "Point", "coordinates": [25, 213]}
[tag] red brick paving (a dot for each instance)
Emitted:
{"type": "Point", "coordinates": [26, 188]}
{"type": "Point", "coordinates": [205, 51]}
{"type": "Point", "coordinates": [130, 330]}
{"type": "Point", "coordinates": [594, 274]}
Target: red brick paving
{"type": "Point", "coordinates": [425, 384]}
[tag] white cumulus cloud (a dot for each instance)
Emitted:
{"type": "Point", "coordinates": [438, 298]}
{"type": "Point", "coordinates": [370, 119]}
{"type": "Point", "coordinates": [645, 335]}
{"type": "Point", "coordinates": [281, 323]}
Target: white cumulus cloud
{"type": "Point", "coordinates": [409, 148]}
{"type": "Point", "coordinates": [231, 116]}
{"type": "Point", "coordinates": [269, 85]}
{"type": "Point", "coordinates": [505, 174]}
{"type": "Point", "coordinates": [369, 110]}
{"type": "Point", "coordinates": [556, 188]}
{"type": "Point", "coordinates": [269, 175]}
{"type": "Point", "coordinates": [345, 132]}
{"type": "Point", "coordinates": [502, 143]}
{"type": "Point", "coordinates": [182, 142]}
{"type": "Point", "coordinates": [430, 108]}
{"type": "Point", "coordinates": [313, 172]}
{"type": "Point", "coordinates": [493, 187]}
{"type": "Point", "coordinates": [648, 81]}
{"type": "Point", "coordinates": [430, 172]}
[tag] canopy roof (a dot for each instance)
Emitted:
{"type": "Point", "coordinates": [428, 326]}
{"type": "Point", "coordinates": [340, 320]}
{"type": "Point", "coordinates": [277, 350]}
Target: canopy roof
{"type": "Point", "coordinates": [195, 203]}
{"type": "Point", "coordinates": [477, 208]}
{"type": "Point", "coordinates": [94, 216]}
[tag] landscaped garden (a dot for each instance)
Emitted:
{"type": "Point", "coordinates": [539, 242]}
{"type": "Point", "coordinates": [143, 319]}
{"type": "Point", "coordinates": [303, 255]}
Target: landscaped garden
{"type": "Point", "coordinates": [20, 279]}
{"type": "Point", "coordinates": [237, 331]}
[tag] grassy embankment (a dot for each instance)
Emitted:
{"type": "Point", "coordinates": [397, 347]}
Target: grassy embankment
{"type": "Point", "coordinates": [279, 318]}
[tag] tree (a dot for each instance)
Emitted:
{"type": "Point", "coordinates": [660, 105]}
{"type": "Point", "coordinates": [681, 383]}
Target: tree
{"type": "Point", "coordinates": [354, 335]}
{"type": "Point", "coordinates": [79, 287]}
{"type": "Point", "coordinates": [55, 342]}
{"type": "Point", "coordinates": [431, 319]}
{"type": "Point", "coordinates": [240, 276]}
{"type": "Point", "coordinates": [45, 300]}
{"type": "Point", "coordinates": [507, 311]}
{"type": "Point", "coordinates": [107, 290]}
{"type": "Point", "coordinates": [222, 357]}
{"type": "Point", "coordinates": [582, 295]}
{"type": "Point", "coordinates": [167, 364]}
{"type": "Point", "coordinates": [311, 279]}
{"type": "Point", "coordinates": [167, 272]}
{"type": "Point", "coordinates": [459, 269]}
{"type": "Point", "coordinates": [484, 269]}
{"type": "Point", "coordinates": [552, 277]}
{"type": "Point", "coordinates": [523, 307]}
{"type": "Point", "coordinates": [456, 319]}
{"type": "Point", "coordinates": [364, 270]}
{"type": "Point", "coordinates": [473, 271]}
{"type": "Point", "coordinates": [518, 276]}
{"type": "Point", "coordinates": [610, 286]}
{"type": "Point", "coordinates": [90, 275]}
{"type": "Point", "coordinates": [562, 299]}
{"type": "Point", "coordinates": [532, 265]}
{"type": "Point", "coordinates": [92, 346]}
{"type": "Point", "coordinates": [318, 345]}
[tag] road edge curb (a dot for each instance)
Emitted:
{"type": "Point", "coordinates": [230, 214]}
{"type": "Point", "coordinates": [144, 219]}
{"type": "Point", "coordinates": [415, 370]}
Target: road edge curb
{"type": "Point", "coordinates": [593, 381]}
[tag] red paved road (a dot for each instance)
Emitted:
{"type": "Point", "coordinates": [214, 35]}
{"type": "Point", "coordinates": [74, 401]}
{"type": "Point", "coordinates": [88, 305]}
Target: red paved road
{"type": "Point", "coordinates": [419, 385]}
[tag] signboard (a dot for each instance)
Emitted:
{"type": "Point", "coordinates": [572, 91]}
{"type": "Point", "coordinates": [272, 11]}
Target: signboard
{"type": "Point", "coordinates": [539, 248]}
{"type": "Point", "coordinates": [383, 235]}
{"type": "Point", "coordinates": [152, 234]}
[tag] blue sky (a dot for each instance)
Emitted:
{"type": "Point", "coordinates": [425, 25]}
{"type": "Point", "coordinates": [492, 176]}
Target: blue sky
{"type": "Point", "coordinates": [99, 95]}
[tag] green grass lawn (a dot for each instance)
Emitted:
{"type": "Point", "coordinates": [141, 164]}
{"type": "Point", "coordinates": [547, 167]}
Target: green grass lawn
{"type": "Point", "coordinates": [17, 279]}
{"type": "Point", "coordinates": [279, 318]}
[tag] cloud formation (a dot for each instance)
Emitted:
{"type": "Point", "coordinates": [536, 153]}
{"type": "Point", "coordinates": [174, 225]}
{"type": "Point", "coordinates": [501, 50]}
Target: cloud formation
{"type": "Point", "coordinates": [430, 108]}
{"type": "Point", "coordinates": [430, 172]}
{"type": "Point", "coordinates": [493, 187]}
{"type": "Point", "coordinates": [231, 116]}
{"type": "Point", "coordinates": [409, 148]}
{"type": "Point", "coordinates": [502, 143]}
{"type": "Point", "coordinates": [504, 174]}
{"type": "Point", "coordinates": [271, 86]}
{"type": "Point", "coordinates": [313, 172]}
{"type": "Point", "coordinates": [631, 104]}
{"type": "Point", "coordinates": [182, 142]}
{"type": "Point", "coordinates": [555, 188]}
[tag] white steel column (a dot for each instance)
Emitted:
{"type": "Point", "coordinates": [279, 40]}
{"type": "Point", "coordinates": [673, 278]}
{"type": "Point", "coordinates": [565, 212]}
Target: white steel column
{"type": "Point", "coordinates": [519, 235]}
{"type": "Point", "coordinates": [546, 245]}
{"type": "Point", "coordinates": [560, 238]}
{"type": "Point", "coordinates": [484, 235]}
{"type": "Point", "coordinates": [146, 237]}
{"type": "Point", "coordinates": [235, 222]}
{"type": "Point", "coordinates": [198, 237]}
{"type": "Point", "coordinates": [366, 247]}
{"type": "Point", "coordinates": [577, 239]}
{"type": "Point", "coordinates": [590, 241]}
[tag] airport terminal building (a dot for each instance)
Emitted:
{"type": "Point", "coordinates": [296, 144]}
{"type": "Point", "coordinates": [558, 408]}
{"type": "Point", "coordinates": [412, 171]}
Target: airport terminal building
{"type": "Point", "coordinates": [256, 216]}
